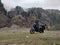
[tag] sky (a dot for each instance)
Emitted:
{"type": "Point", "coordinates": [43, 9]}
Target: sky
{"type": "Point", "coordinates": [45, 4]}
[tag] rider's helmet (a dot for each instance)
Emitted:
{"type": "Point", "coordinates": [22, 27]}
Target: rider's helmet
{"type": "Point", "coordinates": [36, 21]}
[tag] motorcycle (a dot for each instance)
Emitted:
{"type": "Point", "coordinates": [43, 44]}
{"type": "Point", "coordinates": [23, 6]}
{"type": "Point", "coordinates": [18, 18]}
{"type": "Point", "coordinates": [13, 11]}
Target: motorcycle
{"type": "Point", "coordinates": [40, 29]}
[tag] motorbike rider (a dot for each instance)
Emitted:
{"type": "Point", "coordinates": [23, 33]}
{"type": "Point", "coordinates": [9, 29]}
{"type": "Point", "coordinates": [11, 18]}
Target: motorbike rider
{"type": "Point", "coordinates": [36, 25]}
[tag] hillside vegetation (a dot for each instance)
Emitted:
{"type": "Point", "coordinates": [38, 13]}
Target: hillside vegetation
{"type": "Point", "coordinates": [26, 17]}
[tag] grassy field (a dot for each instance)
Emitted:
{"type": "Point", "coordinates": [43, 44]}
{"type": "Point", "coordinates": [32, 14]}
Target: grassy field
{"type": "Point", "coordinates": [21, 37]}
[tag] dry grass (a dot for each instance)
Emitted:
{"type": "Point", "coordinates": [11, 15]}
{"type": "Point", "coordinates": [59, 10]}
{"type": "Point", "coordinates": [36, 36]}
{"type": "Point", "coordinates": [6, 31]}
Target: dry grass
{"type": "Point", "coordinates": [18, 37]}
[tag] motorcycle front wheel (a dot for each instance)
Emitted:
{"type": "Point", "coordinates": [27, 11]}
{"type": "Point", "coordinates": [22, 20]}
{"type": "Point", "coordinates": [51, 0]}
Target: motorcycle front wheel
{"type": "Point", "coordinates": [32, 32]}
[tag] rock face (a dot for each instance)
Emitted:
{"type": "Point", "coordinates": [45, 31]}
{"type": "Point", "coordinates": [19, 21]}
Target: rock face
{"type": "Point", "coordinates": [3, 17]}
{"type": "Point", "coordinates": [25, 18]}
{"type": "Point", "coordinates": [51, 17]}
